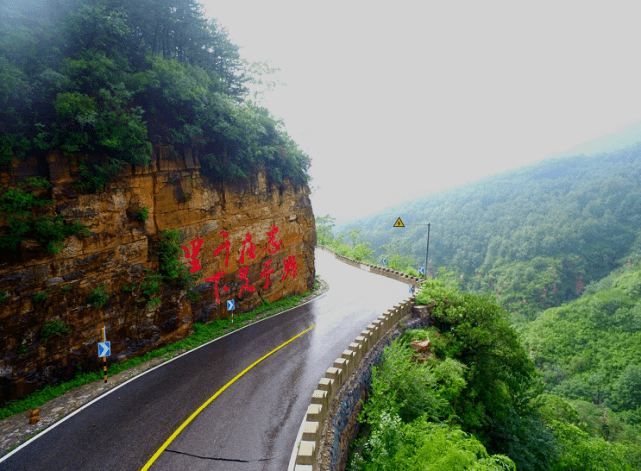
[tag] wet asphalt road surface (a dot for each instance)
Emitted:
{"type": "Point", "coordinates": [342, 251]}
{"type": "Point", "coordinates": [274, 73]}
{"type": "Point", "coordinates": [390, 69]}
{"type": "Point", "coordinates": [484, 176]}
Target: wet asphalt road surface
{"type": "Point", "coordinates": [252, 425]}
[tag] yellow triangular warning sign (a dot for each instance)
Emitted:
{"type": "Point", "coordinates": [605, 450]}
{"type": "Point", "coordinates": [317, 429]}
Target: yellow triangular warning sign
{"type": "Point", "coordinates": [399, 223]}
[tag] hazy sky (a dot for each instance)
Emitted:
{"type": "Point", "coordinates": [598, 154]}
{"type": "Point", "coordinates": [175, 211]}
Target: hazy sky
{"type": "Point", "coordinates": [393, 100]}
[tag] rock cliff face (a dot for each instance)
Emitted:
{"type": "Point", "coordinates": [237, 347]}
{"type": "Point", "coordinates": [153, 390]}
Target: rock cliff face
{"type": "Point", "coordinates": [245, 241]}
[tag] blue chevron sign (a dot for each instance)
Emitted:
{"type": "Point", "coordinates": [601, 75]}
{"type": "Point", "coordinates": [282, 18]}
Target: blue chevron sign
{"type": "Point", "coordinates": [104, 349]}
{"type": "Point", "coordinates": [231, 305]}
{"type": "Point", "coordinates": [421, 271]}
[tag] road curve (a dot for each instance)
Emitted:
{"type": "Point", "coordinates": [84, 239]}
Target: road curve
{"type": "Point", "coordinates": [252, 425]}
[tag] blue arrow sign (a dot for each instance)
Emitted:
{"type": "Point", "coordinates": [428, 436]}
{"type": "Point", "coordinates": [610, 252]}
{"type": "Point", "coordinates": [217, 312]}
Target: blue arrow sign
{"type": "Point", "coordinates": [384, 261]}
{"type": "Point", "coordinates": [421, 271]}
{"type": "Point", "coordinates": [411, 289]}
{"type": "Point", "coordinates": [231, 305]}
{"type": "Point", "coordinates": [104, 349]}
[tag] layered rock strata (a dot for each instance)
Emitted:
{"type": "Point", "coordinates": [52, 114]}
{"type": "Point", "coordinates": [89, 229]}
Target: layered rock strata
{"type": "Point", "coordinates": [246, 241]}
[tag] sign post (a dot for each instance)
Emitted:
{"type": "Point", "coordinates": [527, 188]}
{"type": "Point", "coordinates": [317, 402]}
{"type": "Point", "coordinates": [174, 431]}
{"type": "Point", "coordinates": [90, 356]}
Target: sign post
{"type": "Point", "coordinates": [104, 350]}
{"type": "Point", "coordinates": [399, 223]}
{"type": "Point", "coordinates": [231, 305]}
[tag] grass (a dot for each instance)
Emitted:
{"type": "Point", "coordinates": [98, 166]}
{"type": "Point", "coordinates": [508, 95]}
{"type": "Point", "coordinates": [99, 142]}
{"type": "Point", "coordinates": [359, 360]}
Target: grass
{"type": "Point", "coordinates": [203, 333]}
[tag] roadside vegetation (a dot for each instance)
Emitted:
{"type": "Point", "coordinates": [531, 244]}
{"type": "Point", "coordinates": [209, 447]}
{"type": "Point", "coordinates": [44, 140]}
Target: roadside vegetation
{"type": "Point", "coordinates": [475, 401]}
{"type": "Point", "coordinates": [357, 248]}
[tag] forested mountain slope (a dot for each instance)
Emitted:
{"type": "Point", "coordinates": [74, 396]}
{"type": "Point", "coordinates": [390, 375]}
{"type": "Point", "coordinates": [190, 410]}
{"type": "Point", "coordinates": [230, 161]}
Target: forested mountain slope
{"type": "Point", "coordinates": [590, 348]}
{"type": "Point", "coordinates": [535, 236]}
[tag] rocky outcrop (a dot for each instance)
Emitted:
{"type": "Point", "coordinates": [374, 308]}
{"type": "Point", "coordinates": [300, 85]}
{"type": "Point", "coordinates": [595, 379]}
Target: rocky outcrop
{"type": "Point", "coordinates": [247, 241]}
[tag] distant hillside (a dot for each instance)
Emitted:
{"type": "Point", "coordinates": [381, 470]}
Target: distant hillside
{"type": "Point", "coordinates": [611, 143]}
{"type": "Point", "coordinates": [535, 236]}
{"type": "Point", "coordinates": [590, 349]}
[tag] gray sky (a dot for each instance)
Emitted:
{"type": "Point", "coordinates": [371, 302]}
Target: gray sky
{"type": "Point", "coordinates": [393, 100]}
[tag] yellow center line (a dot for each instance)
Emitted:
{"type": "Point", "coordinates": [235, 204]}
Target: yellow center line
{"type": "Point", "coordinates": [218, 393]}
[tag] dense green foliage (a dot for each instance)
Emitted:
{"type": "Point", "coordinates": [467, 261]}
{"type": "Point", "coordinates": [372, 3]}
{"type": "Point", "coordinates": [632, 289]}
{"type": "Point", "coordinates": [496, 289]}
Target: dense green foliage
{"type": "Point", "coordinates": [171, 269]}
{"type": "Point", "coordinates": [110, 79]}
{"type": "Point", "coordinates": [30, 216]}
{"type": "Point", "coordinates": [478, 373]}
{"type": "Point", "coordinates": [98, 296]}
{"type": "Point", "coordinates": [590, 348]}
{"type": "Point", "coordinates": [56, 328]}
{"type": "Point", "coordinates": [535, 236]}
{"type": "Point", "coordinates": [499, 375]}
{"type": "Point", "coordinates": [475, 402]}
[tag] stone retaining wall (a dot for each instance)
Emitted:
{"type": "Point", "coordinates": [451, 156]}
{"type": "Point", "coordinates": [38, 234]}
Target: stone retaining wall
{"type": "Point", "coordinates": [331, 422]}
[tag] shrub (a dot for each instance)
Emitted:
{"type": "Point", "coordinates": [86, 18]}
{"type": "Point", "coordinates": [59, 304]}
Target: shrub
{"type": "Point", "coordinates": [476, 332]}
{"type": "Point", "coordinates": [168, 253]}
{"type": "Point", "coordinates": [152, 284]}
{"type": "Point", "coordinates": [127, 288]}
{"type": "Point", "coordinates": [407, 401]}
{"type": "Point", "coordinates": [40, 298]}
{"type": "Point", "coordinates": [153, 303]}
{"type": "Point", "coordinates": [143, 214]}
{"type": "Point", "coordinates": [55, 328]}
{"type": "Point", "coordinates": [19, 209]}
{"type": "Point", "coordinates": [98, 297]}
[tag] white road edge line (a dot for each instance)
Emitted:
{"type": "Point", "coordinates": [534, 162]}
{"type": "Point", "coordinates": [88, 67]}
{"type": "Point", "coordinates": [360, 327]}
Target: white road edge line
{"type": "Point", "coordinates": [299, 437]}
{"type": "Point", "coordinates": [51, 427]}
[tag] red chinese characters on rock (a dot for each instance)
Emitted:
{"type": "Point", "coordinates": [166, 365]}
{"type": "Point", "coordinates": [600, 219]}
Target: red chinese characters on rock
{"type": "Point", "coordinates": [242, 272]}
{"type": "Point", "coordinates": [196, 244]}
{"type": "Point", "coordinates": [290, 267]}
{"type": "Point", "coordinates": [225, 246]}
{"type": "Point", "coordinates": [216, 278]}
{"type": "Point", "coordinates": [247, 253]}
{"type": "Point", "coordinates": [251, 251]}
{"type": "Point", "coordinates": [272, 241]}
{"type": "Point", "coordinates": [266, 272]}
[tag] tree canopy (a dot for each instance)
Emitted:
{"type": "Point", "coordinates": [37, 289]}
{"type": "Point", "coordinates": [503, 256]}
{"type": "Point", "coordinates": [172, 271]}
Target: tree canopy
{"type": "Point", "coordinates": [114, 78]}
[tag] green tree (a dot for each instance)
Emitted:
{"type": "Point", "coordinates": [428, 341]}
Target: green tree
{"type": "Point", "coordinates": [397, 254]}
{"type": "Point", "coordinates": [324, 227]}
{"type": "Point", "coordinates": [500, 372]}
{"type": "Point", "coordinates": [627, 389]}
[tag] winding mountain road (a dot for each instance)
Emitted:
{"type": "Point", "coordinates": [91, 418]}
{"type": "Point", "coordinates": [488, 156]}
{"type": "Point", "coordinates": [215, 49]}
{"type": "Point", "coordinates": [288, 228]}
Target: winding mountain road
{"type": "Point", "coordinates": [252, 423]}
